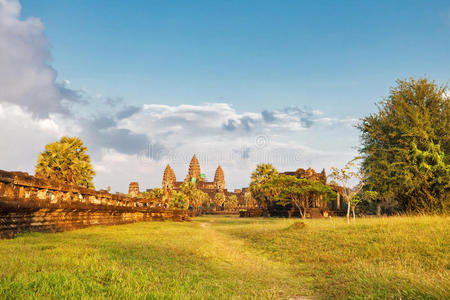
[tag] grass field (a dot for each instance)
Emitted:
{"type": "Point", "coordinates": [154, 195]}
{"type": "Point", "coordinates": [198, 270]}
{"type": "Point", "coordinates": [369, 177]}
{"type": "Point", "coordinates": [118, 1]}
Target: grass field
{"type": "Point", "coordinates": [228, 257]}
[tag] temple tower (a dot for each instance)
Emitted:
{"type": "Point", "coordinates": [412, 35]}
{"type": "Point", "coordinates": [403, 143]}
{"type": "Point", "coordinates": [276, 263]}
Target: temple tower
{"type": "Point", "coordinates": [168, 178]}
{"type": "Point", "coordinates": [219, 179]}
{"type": "Point", "coordinates": [323, 174]}
{"type": "Point", "coordinates": [194, 170]}
{"type": "Point", "coordinates": [133, 189]}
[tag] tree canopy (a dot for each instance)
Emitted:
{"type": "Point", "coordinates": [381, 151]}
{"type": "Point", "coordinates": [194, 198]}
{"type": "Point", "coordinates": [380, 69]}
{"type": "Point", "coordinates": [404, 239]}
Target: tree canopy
{"type": "Point", "coordinates": [263, 174]}
{"type": "Point", "coordinates": [287, 189]}
{"type": "Point", "coordinates": [196, 197]}
{"type": "Point", "coordinates": [231, 202]}
{"type": "Point", "coordinates": [219, 199]}
{"type": "Point", "coordinates": [67, 161]}
{"type": "Point", "coordinates": [178, 200]}
{"type": "Point", "coordinates": [406, 146]}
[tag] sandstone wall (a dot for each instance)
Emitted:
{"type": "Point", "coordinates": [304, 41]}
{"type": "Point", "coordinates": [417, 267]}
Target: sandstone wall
{"type": "Point", "coordinates": [28, 203]}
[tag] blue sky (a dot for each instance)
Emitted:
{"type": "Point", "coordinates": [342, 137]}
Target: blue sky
{"type": "Point", "coordinates": [339, 56]}
{"type": "Point", "coordinates": [146, 83]}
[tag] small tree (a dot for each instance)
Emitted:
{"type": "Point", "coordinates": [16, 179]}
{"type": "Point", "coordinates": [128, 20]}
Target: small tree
{"type": "Point", "coordinates": [196, 197]}
{"type": "Point", "coordinates": [249, 200]}
{"type": "Point", "coordinates": [157, 193]}
{"type": "Point", "coordinates": [344, 177]}
{"type": "Point", "coordinates": [206, 205]}
{"type": "Point", "coordinates": [232, 202]}
{"type": "Point", "coordinates": [219, 199]}
{"type": "Point", "coordinates": [178, 200]}
{"type": "Point", "coordinates": [197, 200]}
{"type": "Point", "coordinates": [66, 161]}
{"type": "Point", "coordinates": [188, 188]}
{"type": "Point", "coordinates": [262, 174]}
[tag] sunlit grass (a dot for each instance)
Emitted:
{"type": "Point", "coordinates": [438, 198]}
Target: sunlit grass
{"type": "Point", "coordinates": [228, 257]}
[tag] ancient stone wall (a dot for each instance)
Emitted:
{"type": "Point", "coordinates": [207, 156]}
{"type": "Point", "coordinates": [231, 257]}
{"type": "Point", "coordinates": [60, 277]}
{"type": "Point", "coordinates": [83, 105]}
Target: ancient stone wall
{"type": "Point", "coordinates": [28, 203]}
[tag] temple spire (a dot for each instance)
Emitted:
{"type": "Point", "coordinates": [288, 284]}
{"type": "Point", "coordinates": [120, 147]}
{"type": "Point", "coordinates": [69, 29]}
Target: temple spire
{"type": "Point", "coordinates": [194, 169]}
{"type": "Point", "coordinates": [219, 178]}
{"type": "Point", "coordinates": [168, 178]}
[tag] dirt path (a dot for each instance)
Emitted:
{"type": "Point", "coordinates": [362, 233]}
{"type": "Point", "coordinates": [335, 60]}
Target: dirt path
{"type": "Point", "coordinates": [245, 262]}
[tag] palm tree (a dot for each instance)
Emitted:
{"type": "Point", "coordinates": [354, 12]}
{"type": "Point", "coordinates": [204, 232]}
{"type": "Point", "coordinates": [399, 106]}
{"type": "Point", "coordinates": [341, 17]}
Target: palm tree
{"type": "Point", "coordinates": [231, 203]}
{"type": "Point", "coordinates": [219, 199]}
{"type": "Point", "coordinates": [66, 161]}
{"type": "Point", "coordinates": [263, 174]}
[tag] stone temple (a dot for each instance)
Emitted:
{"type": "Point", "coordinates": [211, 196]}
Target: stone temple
{"type": "Point", "coordinates": [170, 183]}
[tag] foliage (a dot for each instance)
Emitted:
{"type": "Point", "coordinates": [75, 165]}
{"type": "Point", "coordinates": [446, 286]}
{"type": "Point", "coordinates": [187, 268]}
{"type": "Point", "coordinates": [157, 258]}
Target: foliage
{"type": "Point", "coordinates": [249, 200]}
{"type": "Point", "coordinates": [231, 202]}
{"type": "Point", "coordinates": [188, 188]}
{"type": "Point", "coordinates": [196, 197]}
{"type": "Point", "coordinates": [406, 147]}
{"type": "Point", "coordinates": [262, 174]}
{"type": "Point", "coordinates": [287, 189]}
{"type": "Point", "coordinates": [207, 205]}
{"type": "Point", "coordinates": [156, 193]}
{"type": "Point", "coordinates": [178, 200]}
{"type": "Point", "coordinates": [67, 161]}
{"type": "Point", "coordinates": [219, 199]}
{"type": "Point", "coordinates": [370, 195]}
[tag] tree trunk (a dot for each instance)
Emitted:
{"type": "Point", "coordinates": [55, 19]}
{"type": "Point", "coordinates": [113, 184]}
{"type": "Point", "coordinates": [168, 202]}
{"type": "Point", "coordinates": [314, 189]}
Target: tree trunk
{"type": "Point", "coordinates": [348, 212]}
{"type": "Point", "coordinates": [338, 201]}
{"type": "Point", "coordinates": [354, 216]}
{"type": "Point", "coordinates": [302, 214]}
{"type": "Point", "coordinates": [378, 208]}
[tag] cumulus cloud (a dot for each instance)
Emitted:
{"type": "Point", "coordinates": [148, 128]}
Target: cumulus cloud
{"type": "Point", "coordinates": [26, 77]}
{"type": "Point", "coordinates": [23, 137]}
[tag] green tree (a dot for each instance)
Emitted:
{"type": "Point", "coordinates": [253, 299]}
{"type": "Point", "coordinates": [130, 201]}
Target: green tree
{"type": "Point", "coordinates": [249, 200]}
{"type": "Point", "coordinates": [196, 197]}
{"type": "Point", "coordinates": [260, 192]}
{"type": "Point", "coordinates": [231, 202]}
{"type": "Point", "coordinates": [178, 200]}
{"type": "Point", "coordinates": [368, 197]}
{"type": "Point", "coordinates": [406, 146]}
{"type": "Point", "coordinates": [157, 193]}
{"type": "Point", "coordinates": [289, 189]}
{"type": "Point", "coordinates": [188, 188]}
{"type": "Point", "coordinates": [66, 161]}
{"type": "Point", "coordinates": [219, 199]}
{"type": "Point", "coordinates": [199, 198]}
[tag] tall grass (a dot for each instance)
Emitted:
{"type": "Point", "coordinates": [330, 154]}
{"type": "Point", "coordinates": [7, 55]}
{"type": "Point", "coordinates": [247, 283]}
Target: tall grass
{"type": "Point", "coordinates": [227, 257]}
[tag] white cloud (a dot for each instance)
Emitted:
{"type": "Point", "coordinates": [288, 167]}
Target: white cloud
{"type": "Point", "coordinates": [23, 137]}
{"type": "Point", "coordinates": [25, 76]}
{"type": "Point", "coordinates": [348, 121]}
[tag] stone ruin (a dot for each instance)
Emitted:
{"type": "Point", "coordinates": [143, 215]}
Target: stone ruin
{"type": "Point", "coordinates": [309, 174]}
{"type": "Point", "coordinates": [133, 189]}
{"type": "Point", "coordinates": [28, 203]}
{"type": "Point", "coordinates": [169, 182]}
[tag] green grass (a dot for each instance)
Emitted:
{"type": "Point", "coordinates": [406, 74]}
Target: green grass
{"type": "Point", "coordinates": [227, 257]}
